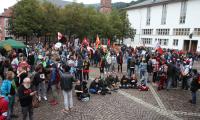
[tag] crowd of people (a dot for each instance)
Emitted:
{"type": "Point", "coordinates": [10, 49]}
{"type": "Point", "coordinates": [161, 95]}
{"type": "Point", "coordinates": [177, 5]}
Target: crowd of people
{"type": "Point", "coordinates": [31, 74]}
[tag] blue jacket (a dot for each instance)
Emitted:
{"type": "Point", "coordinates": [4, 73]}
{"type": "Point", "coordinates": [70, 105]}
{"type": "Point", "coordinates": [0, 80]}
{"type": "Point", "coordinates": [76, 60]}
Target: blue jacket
{"type": "Point", "coordinates": [5, 88]}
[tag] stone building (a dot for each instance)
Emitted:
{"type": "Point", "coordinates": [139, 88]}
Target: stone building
{"type": "Point", "coordinates": [106, 6]}
{"type": "Point", "coordinates": [4, 23]}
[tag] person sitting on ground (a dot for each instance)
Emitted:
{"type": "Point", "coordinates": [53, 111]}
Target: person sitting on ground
{"type": "Point", "coordinates": [124, 82]}
{"type": "Point", "coordinates": [103, 86]}
{"type": "Point", "coordinates": [94, 86]}
{"type": "Point", "coordinates": [82, 91]}
{"type": "Point", "coordinates": [133, 81]}
{"type": "Point", "coordinates": [114, 82]}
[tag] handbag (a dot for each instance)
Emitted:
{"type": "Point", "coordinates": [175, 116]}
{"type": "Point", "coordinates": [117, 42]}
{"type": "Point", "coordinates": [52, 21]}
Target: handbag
{"type": "Point", "coordinates": [35, 101]}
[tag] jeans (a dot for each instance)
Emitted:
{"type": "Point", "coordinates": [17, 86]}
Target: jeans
{"type": "Point", "coordinates": [119, 67]}
{"type": "Point", "coordinates": [28, 110]}
{"type": "Point", "coordinates": [80, 74]}
{"type": "Point", "coordinates": [143, 77]}
{"type": "Point", "coordinates": [86, 75]}
{"type": "Point", "coordinates": [41, 89]}
{"type": "Point", "coordinates": [131, 71]}
{"type": "Point", "coordinates": [169, 82]}
{"type": "Point", "coordinates": [185, 82]}
{"type": "Point", "coordinates": [112, 67]}
{"type": "Point", "coordinates": [54, 92]}
{"type": "Point", "coordinates": [194, 97]}
{"type": "Point", "coordinates": [68, 101]}
{"type": "Point", "coordinates": [11, 107]}
{"type": "Point", "coordinates": [93, 91]}
{"type": "Point", "coordinates": [107, 67]}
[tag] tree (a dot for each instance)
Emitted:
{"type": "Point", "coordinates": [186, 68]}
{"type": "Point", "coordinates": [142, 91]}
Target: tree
{"type": "Point", "coordinates": [27, 17]}
{"type": "Point", "coordinates": [126, 30]}
{"type": "Point", "coordinates": [41, 18]}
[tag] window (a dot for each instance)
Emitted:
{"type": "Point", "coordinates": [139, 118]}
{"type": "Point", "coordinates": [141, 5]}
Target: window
{"type": "Point", "coordinates": [164, 14]}
{"type": "Point", "coordinates": [147, 31]}
{"type": "Point", "coordinates": [134, 31]}
{"type": "Point", "coordinates": [196, 31]}
{"type": "Point", "coordinates": [183, 12]}
{"type": "Point", "coordinates": [162, 42]}
{"type": "Point", "coordinates": [148, 16]}
{"type": "Point", "coordinates": [175, 42]}
{"type": "Point", "coordinates": [162, 31]}
{"type": "Point", "coordinates": [181, 31]}
{"type": "Point", "coordinates": [147, 41]}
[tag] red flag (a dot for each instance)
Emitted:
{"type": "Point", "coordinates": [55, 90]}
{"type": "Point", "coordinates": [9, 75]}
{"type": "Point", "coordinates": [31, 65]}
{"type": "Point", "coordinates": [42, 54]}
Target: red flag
{"type": "Point", "coordinates": [59, 36]}
{"type": "Point", "coordinates": [97, 41]}
{"type": "Point", "coordinates": [108, 42]}
{"type": "Point", "coordinates": [85, 41]}
{"type": "Point", "coordinates": [159, 50]}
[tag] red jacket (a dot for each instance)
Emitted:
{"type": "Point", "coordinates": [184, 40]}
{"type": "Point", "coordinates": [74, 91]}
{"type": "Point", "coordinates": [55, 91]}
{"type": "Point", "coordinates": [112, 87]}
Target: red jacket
{"type": "Point", "coordinates": [3, 108]}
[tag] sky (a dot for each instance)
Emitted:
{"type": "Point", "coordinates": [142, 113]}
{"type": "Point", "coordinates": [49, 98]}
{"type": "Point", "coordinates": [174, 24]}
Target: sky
{"type": "Point", "coordinates": [8, 3]}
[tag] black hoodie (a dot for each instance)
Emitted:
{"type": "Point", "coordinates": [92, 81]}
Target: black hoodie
{"type": "Point", "coordinates": [24, 96]}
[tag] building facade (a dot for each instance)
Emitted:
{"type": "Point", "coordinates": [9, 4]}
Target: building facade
{"type": "Point", "coordinates": [106, 6]}
{"type": "Point", "coordinates": [174, 24]}
{"type": "Point", "coordinates": [4, 23]}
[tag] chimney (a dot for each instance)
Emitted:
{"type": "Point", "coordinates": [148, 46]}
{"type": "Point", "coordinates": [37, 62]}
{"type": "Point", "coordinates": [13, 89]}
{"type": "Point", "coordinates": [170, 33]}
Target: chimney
{"type": "Point", "coordinates": [5, 9]}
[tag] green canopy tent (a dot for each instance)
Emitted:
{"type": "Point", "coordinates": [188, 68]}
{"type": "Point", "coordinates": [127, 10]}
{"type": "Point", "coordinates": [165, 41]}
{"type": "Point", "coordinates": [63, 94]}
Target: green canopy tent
{"type": "Point", "coordinates": [13, 43]}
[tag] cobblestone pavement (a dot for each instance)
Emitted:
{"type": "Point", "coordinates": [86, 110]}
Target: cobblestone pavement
{"type": "Point", "coordinates": [126, 104]}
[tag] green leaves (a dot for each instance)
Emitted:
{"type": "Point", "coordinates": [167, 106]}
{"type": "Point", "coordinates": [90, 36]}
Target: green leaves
{"type": "Point", "coordinates": [33, 17]}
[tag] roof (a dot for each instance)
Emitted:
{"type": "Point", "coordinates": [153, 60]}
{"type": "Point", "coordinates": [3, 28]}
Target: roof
{"type": "Point", "coordinates": [148, 3]}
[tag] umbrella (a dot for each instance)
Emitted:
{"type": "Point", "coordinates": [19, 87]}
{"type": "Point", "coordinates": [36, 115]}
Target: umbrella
{"type": "Point", "coordinates": [7, 47]}
{"type": "Point", "coordinates": [12, 43]}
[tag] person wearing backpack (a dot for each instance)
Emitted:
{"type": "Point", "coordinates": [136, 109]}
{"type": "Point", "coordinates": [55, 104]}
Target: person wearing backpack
{"type": "Point", "coordinates": [39, 82]}
{"type": "Point", "coordinates": [186, 75]}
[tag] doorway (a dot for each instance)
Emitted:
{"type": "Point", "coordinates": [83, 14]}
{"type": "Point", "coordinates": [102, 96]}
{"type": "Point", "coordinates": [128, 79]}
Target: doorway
{"type": "Point", "coordinates": [190, 45]}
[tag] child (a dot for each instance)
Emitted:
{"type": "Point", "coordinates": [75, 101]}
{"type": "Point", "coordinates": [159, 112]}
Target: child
{"type": "Point", "coordinates": [124, 82]}
{"type": "Point", "coordinates": [133, 81]}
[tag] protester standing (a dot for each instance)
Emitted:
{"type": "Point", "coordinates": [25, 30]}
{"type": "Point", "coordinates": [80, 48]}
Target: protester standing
{"type": "Point", "coordinates": [25, 97]}
{"type": "Point", "coordinates": [66, 83]}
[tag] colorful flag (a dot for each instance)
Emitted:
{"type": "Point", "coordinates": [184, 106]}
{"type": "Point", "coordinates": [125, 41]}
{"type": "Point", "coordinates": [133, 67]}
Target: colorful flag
{"type": "Point", "coordinates": [59, 36]}
{"type": "Point", "coordinates": [98, 42]}
{"type": "Point", "coordinates": [159, 50]}
{"type": "Point", "coordinates": [108, 42]}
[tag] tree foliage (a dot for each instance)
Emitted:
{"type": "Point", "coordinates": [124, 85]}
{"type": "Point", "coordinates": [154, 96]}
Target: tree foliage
{"type": "Point", "coordinates": [33, 17]}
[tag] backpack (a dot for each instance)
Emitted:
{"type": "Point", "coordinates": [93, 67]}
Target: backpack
{"type": "Point", "coordinates": [143, 88]}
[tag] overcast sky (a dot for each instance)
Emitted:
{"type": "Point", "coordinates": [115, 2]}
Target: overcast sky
{"type": "Point", "coordinates": [8, 3]}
